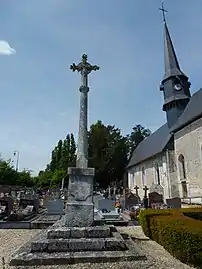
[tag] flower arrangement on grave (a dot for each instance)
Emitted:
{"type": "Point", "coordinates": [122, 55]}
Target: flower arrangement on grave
{"type": "Point", "coordinates": [134, 212]}
{"type": "Point", "coordinates": [118, 204]}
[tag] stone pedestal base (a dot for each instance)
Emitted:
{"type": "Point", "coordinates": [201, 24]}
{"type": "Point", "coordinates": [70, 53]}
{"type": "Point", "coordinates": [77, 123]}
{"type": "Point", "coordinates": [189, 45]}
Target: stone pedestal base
{"type": "Point", "coordinates": [80, 209]}
{"type": "Point", "coordinates": [79, 215]}
{"type": "Point", "coordinates": [65, 245]}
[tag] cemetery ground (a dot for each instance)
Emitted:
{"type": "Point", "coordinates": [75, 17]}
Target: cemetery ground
{"type": "Point", "coordinates": [157, 256]}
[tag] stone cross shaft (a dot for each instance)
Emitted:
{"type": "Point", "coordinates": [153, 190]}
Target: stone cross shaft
{"type": "Point", "coordinates": [84, 68]}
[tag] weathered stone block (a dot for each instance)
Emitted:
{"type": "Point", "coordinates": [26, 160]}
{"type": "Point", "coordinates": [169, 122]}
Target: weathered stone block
{"type": "Point", "coordinates": [79, 215]}
{"type": "Point", "coordinates": [81, 171]}
{"type": "Point", "coordinates": [39, 246]}
{"type": "Point", "coordinates": [80, 184]}
{"type": "Point", "coordinates": [58, 245]}
{"type": "Point", "coordinates": [78, 232]}
{"type": "Point", "coordinates": [86, 244]}
{"type": "Point", "coordinates": [62, 232]}
{"type": "Point", "coordinates": [114, 244]}
{"type": "Point", "coordinates": [97, 232]}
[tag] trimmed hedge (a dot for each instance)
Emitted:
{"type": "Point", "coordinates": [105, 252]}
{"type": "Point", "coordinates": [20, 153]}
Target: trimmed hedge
{"type": "Point", "coordinates": [178, 234]}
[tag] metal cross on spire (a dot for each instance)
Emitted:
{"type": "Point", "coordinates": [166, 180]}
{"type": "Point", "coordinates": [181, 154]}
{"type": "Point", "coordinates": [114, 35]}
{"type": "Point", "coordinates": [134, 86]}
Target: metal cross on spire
{"type": "Point", "coordinates": [163, 11]}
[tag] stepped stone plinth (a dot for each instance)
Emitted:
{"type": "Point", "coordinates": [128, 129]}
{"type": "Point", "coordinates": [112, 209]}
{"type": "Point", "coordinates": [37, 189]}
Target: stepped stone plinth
{"type": "Point", "coordinates": [67, 245]}
{"type": "Point", "coordinates": [77, 232]}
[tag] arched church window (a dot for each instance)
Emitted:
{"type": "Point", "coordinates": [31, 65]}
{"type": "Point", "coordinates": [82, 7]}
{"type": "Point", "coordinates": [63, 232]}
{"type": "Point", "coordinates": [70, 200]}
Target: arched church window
{"type": "Point", "coordinates": [157, 174]}
{"type": "Point", "coordinates": [184, 189]}
{"type": "Point", "coordinates": [143, 176]}
{"type": "Point", "coordinates": [182, 170]}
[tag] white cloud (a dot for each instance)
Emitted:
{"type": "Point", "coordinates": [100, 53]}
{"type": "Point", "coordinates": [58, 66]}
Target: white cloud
{"type": "Point", "coordinates": [5, 48]}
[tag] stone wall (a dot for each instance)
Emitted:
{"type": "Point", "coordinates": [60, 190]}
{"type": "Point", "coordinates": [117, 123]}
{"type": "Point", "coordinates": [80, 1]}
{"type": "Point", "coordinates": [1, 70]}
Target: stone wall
{"type": "Point", "coordinates": [135, 175]}
{"type": "Point", "coordinates": [188, 142]}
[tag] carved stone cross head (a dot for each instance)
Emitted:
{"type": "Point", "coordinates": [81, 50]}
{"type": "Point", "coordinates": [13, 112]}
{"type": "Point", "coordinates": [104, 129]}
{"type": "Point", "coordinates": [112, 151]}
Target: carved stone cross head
{"type": "Point", "coordinates": [84, 67]}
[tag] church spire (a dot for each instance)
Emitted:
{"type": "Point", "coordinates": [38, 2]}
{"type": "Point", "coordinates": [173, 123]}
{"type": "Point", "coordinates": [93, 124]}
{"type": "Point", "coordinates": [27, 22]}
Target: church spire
{"type": "Point", "coordinates": [175, 84]}
{"type": "Point", "coordinates": [172, 67]}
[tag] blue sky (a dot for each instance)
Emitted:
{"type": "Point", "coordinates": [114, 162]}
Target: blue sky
{"type": "Point", "coordinates": [39, 93]}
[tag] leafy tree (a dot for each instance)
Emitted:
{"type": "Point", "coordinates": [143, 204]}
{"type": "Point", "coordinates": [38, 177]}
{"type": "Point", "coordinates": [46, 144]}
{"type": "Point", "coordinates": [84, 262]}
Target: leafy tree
{"type": "Point", "coordinates": [66, 147]}
{"type": "Point", "coordinates": [62, 157]}
{"type": "Point", "coordinates": [53, 164]}
{"type": "Point", "coordinates": [25, 179]}
{"type": "Point", "coordinates": [44, 179]}
{"type": "Point", "coordinates": [72, 155]}
{"type": "Point", "coordinates": [59, 153]}
{"type": "Point", "coordinates": [107, 153]}
{"type": "Point", "coordinates": [138, 134]}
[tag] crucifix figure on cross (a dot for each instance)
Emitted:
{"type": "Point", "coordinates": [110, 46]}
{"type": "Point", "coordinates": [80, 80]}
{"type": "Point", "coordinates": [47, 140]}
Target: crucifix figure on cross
{"type": "Point", "coordinates": [145, 191]}
{"type": "Point", "coordinates": [136, 190]}
{"type": "Point", "coordinates": [163, 11]}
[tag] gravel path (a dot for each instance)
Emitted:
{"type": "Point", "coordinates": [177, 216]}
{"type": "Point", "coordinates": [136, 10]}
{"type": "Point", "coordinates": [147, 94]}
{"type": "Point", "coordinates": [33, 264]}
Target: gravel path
{"type": "Point", "coordinates": [11, 240]}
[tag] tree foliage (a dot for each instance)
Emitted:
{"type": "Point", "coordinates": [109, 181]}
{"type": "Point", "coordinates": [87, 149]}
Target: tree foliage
{"type": "Point", "coordinates": [109, 152]}
{"type": "Point", "coordinates": [138, 134]}
{"type": "Point", "coordinates": [62, 157]}
{"type": "Point", "coordinates": [9, 176]}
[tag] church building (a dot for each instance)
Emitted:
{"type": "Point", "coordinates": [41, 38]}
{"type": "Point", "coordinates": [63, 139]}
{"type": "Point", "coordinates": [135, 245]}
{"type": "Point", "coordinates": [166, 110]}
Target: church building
{"type": "Point", "coordinates": [171, 157]}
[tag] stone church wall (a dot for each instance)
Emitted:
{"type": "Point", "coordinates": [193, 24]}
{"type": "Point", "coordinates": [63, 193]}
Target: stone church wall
{"type": "Point", "coordinates": [172, 173]}
{"type": "Point", "coordinates": [135, 175]}
{"type": "Point", "coordinates": [188, 142]}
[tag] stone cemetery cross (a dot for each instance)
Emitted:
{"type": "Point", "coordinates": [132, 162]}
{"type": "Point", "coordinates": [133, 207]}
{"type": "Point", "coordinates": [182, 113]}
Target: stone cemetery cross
{"type": "Point", "coordinates": [80, 207]}
{"type": "Point", "coordinates": [145, 191]}
{"type": "Point", "coordinates": [136, 190]}
{"type": "Point", "coordinates": [84, 68]}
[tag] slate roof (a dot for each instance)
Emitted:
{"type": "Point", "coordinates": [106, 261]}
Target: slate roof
{"type": "Point", "coordinates": [158, 140]}
{"type": "Point", "coordinates": [192, 111]}
{"type": "Point", "coordinates": [172, 67]}
{"type": "Point", "coordinates": [150, 146]}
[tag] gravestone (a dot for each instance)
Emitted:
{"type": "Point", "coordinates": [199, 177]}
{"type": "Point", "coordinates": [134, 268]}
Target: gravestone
{"type": "Point", "coordinates": [29, 200]}
{"type": "Point", "coordinates": [13, 194]}
{"type": "Point", "coordinates": [174, 202]}
{"type": "Point", "coordinates": [6, 204]}
{"type": "Point", "coordinates": [57, 194]}
{"type": "Point", "coordinates": [106, 205]}
{"type": "Point", "coordinates": [132, 200]}
{"type": "Point", "coordinates": [46, 199]}
{"type": "Point", "coordinates": [155, 200]}
{"type": "Point", "coordinates": [55, 207]}
{"type": "Point", "coordinates": [156, 188]}
{"type": "Point", "coordinates": [96, 199]}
